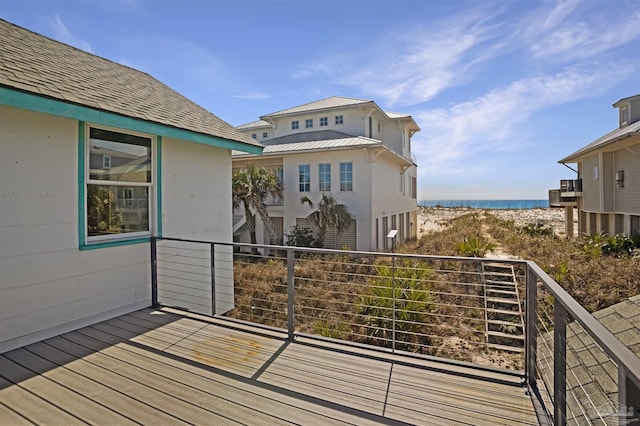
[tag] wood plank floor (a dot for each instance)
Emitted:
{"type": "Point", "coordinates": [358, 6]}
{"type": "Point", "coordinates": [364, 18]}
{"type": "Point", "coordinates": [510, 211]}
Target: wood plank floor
{"type": "Point", "coordinates": [167, 367]}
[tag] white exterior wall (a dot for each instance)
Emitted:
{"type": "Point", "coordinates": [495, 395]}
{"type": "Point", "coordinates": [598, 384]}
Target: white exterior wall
{"type": "Point", "coordinates": [627, 198]}
{"type": "Point", "coordinates": [357, 201]}
{"type": "Point", "coordinates": [591, 186]}
{"type": "Point", "coordinates": [354, 123]}
{"type": "Point", "coordinates": [47, 285]}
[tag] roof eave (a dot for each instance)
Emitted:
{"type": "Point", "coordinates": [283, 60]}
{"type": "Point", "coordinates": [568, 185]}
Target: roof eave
{"type": "Point", "coordinates": [577, 156]}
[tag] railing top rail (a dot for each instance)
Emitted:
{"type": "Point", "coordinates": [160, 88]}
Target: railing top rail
{"type": "Point", "coordinates": [349, 252]}
{"type": "Point", "coordinates": [607, 341]}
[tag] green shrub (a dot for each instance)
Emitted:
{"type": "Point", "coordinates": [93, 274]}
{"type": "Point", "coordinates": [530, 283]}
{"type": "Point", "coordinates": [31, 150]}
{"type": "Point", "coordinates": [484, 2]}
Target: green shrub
{"type": "Point", "coordinates": [412, 302]}
{"type": "Point", "coordinates": [618, 245]}
{"type": "Point", "coordinates": [537, 229]}
{"type": "Point", "coordinates": [475, 246]}
{"type": "Point", "coordinates": [328, 329]}
{"type": "Point", "coordinates": [299, 236]}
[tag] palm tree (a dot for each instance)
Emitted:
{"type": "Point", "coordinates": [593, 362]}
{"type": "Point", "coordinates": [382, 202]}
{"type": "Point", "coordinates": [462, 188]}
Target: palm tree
{"type": "Point", "coordinates": [328, 214]}
{"type": "Point", "coordinates": [250, 188]}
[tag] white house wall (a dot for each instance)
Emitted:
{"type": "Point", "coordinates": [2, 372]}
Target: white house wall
{"type": "Point", "coordinates": [591, 185]}
{"type": "Point", "coordinates": [627, 198]}
{"type": "Point", "coordinates": [49, 286]}
{"type": "Point", "coordinates": [354, 123]}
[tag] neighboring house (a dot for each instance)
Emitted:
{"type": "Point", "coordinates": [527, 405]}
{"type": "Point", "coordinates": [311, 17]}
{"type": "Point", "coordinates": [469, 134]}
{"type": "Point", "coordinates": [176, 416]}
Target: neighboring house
{"type": "Point", "coordinates": [347, 147]}
{"type": "Point", "coordinates": [95, 158]}
{"type": "Point", "coordinates": [606, 192]}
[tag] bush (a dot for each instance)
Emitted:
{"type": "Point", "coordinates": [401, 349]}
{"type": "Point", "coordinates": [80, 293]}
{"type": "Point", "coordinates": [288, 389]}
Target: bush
{"type": "Point", "coordinates": [475, 246]}
{"type": "Point", "coordinates": [299, 236]}
{"type": "Point", "coordinates": [412, 302]}
{"type": "Point", "coordinates": [537, 229]}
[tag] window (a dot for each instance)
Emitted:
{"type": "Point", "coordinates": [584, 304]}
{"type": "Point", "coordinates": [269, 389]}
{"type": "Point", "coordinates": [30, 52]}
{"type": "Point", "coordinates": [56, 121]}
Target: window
{"type": "Point", "coordinates": [304, 177]}
{"type": "Point", "coordinates": [324, 121]}
{"type": "Point", "coordinates": [402, 183]}
{"type": "Point", "coordinates": [295, 125]}
{"type": "Point", "coordinates": [254, 135]}
{"type": "Point", "coordinates": [106, 161]}
{"type": "Point", "coordinates": [339, 119]}
{"type": "Point", "coordinates": [325, 177]}
{"type": "Point", "coordinates": [414, 188]}
{"type": "Point", "coordinates": [118, 198]}
{"type": "Point", "coordinates": [308, 123]}
{"type": "Point", "coordinates": [346, 176]}
{"type": "Point", "coordinates": [265, 135]}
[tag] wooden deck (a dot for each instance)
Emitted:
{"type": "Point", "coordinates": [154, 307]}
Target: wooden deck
{"type": "Point", "coordinates": [166, 367]}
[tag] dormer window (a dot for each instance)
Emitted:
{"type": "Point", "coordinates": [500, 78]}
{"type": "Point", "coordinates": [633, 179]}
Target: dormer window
{"type": "Point", "coordinates": [308, 123]}
{"type": "Point", "coordinates": [295, 125]}
{"type": "Point", "coordinates": [254, 135]}
{"type": "Point", "coordinates": [339, 119]}
{"type": "Point", "coordinates": [265, 135]}
{"type": "Point", "coordinates": [624, 116]}
{"type": "Point", "coordinates": [324, 121]}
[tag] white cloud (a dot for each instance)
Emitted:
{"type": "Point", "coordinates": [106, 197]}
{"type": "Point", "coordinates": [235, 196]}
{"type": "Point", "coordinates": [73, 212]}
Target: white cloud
{"type": "Point", "coordinates": [454, 139]}
{"type": "Point", "coordinates": [574, 30]}
{"type": "Point", "coordinates": [63, 34]}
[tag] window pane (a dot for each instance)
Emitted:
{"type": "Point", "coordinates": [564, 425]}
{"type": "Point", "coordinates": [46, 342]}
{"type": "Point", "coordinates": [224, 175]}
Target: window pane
{"type": "Point", "coordinates": [325, 177]}
{"type": "Point", "coordinates": [129, 156]}
{"type": "Point", "coordinates": [305, 178]}
{"type": "Point", "coordinates": [346, 177]}
{"type": "Point", "coordinates": [117, 209]}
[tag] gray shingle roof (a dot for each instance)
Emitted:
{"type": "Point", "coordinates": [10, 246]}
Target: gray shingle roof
{"type": "Point", "coordinates": [30, 62]}
{"type": "Point", "coordinates": [609, 138]}
{"type": "Point", "coordinates": [332, 102]}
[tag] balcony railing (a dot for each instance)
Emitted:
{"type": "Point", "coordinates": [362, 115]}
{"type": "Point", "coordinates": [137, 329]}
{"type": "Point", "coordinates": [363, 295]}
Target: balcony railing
{"type": "Point", "coordinates": [571, 187]}
{"type": "Point", "coordinates": [567, 195]}
{"type": "Point", "coordinates": [448, 309]}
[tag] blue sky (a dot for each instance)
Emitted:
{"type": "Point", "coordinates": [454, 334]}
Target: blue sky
{"type": "Point", "coordinates": [501, 89]}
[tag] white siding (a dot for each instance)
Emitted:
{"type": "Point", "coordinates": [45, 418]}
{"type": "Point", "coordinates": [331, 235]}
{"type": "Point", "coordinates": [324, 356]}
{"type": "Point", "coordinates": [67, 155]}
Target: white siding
{"type": "Point", "coordinates": [49, 286]}
{"type": "Point", "coordinates": [591, 186]}
{"type": "Point", "coordinates": [627, 198]}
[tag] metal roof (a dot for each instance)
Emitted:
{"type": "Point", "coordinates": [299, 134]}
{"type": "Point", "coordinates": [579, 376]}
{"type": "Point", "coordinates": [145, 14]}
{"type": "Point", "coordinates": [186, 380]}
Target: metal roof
{"type": "Point", "coordinates": [254, 125]}
{"type": "Point", "coordinates": [35, 64]}
{"type": "Point", "coordinates": [316, 145]}
{"type": "Point", "coordinates": [396, 114]}
{"type": "Point", "coordinates": [614, 136]}
{"type": "Point", "coordinates": [318, 135]}
{"type": "Point", "coordinates": [332, 102]}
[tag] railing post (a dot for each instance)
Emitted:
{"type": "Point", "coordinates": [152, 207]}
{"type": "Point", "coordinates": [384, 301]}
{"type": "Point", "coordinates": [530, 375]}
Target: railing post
{"type": "Point", "coordinates": [291, 260]}
{"type": "Point", "coordinates": [559, 364]}
{"type": "Point", "coordinates": [393, 307]}
{"type": "Point", "coordinates": [628, 394]}
{"type": "Point", "coordinates": [531, 330]}
{"type": "Point", "coordinates": [212, 248]}
{"type": "Point", "coordinates": [154, 273]}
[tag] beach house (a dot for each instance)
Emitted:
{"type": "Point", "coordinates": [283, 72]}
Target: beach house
{"type": "Point", "coordinates": [350, 148]}
{"type": "Point", "coordinates": [606, 191]}
{"type": "Point", "coordinates": [95, 158]}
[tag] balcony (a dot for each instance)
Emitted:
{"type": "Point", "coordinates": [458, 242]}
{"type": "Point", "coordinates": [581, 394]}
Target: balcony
{"type": "Point", "coordinates": [567, 195]}
{"type": "Point", "coordinates": [323, 336]}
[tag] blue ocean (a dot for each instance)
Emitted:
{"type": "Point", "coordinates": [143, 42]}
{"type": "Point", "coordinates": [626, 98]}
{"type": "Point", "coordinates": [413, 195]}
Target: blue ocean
{"type": "Point", "coordinates": [487, 204]}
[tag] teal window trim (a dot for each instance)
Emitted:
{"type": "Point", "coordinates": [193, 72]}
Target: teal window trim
{"type": "Point", "coordinates": [158, 186]}
{"type": "Point", "coordinates": [32, 102]}
{"type": "Point", "coordinates": [115, 243]}
{"type": "Point", "coordinates": [82, 224]}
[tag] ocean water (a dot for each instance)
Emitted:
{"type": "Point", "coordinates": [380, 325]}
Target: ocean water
{"type": "Point", "coordinates": [487, 204]}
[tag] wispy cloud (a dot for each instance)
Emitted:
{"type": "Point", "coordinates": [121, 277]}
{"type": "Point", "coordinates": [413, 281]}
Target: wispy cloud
{"type": "Point", "coordinates": [453, 138]}
{"type": "Point", "coordinates": [63, 34]}
{"type": "Point", "coordinates": [568, 33]}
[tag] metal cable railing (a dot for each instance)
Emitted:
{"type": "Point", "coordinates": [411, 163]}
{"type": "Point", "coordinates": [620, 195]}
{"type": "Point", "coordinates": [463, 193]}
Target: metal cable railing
{"type": "Point", "coordinates": [425, 306]}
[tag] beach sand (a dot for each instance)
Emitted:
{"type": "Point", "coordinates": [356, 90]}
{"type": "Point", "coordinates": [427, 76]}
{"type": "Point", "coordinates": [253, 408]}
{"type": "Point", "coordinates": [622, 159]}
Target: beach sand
{"type": "Point", "coordinates": [432, 219]}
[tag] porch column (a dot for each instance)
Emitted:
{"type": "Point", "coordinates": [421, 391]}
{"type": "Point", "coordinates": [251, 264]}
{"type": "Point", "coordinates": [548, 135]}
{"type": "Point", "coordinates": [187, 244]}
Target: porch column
{"type": "Point", "coordinates": [568, 218]}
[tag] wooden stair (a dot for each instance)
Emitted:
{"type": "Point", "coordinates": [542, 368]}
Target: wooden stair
{"type": "Point", "coordinates": [504, 318]}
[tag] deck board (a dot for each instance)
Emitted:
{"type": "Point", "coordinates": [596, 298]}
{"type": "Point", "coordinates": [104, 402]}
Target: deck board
{"type": "Point", "coordinates": [159, 366]}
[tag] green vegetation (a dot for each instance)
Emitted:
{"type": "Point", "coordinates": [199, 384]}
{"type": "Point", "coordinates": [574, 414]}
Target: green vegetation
{"type": "Point", "coordinates": [327, 214]}
{"type": "Point", "coordinates": [475, 246]}
{"type": "Point", "coordinates": [251, 187]}
{"type": "Point", "coordinates": [300, 236]}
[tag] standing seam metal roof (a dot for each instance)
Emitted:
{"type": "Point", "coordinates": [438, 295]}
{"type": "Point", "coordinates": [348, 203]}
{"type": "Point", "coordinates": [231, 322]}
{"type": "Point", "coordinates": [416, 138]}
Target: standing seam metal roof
{"type": "Point", "coordinates": [605, 140]}
{"type": "Point", "coordinates": [332, 102]}
{"type": "Point", "coordinates": [33, 63]}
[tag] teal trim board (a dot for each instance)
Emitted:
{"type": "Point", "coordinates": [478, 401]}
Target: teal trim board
{"type": "Point", "coordinates": [115, 243]}
{"type": "Point", "coordinates": [60, 108]}
{"type": "Point", "coordinates": [159, 185]}
{"type": "Point", "coordinates": [81, 184]}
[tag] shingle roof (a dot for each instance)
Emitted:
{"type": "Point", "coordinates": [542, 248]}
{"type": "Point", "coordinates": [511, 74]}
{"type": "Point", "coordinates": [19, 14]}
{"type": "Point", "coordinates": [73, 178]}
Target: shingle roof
{"type": "Point", "coordinates": [308, 137]}
{"type": "Point", "coordinates": [30, 62]}
{"type": "Point", "coordinates": [253, 125]}
{"type": "Point", "coordinates": [332, 102]}
{"type": "Point", "coordinates": [616, 135]}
